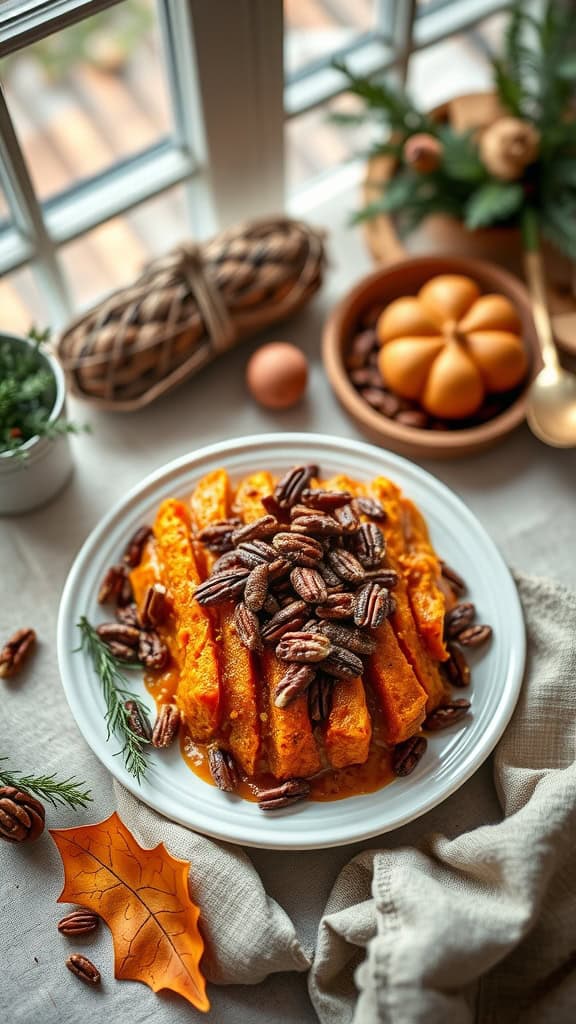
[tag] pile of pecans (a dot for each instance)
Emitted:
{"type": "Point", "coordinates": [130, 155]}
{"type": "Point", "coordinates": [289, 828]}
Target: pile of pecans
{"type": "Point", "coordinates": [308, 579]}
{"type": "Point", "coordinates": [361, 364]}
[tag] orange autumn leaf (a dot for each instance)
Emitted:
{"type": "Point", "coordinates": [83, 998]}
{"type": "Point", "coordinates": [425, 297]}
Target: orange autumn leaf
{"type": "Point", "coordinates": [143, 897]}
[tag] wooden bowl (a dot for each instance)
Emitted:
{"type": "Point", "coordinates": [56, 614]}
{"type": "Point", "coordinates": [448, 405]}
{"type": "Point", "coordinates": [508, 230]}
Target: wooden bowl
{"type": "Point", "coordinates": [406, 278]}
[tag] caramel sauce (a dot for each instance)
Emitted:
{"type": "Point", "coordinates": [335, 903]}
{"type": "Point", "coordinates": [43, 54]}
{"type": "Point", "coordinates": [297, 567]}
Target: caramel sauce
{"type": "Point", "coordinates": [331, 784]}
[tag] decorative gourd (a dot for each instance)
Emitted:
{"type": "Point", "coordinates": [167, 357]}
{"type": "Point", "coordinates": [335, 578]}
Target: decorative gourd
{"type": "Point", "coordinates": [449, 346]}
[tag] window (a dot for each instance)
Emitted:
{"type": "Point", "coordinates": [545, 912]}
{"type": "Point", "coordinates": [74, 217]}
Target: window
{"type": "Point", "coordinates": [409, 39]}
{"type": "Point", "coordinates": [129, 125]}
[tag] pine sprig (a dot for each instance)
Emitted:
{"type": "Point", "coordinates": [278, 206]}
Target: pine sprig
{"type": "Point", "coordinates": [110, 671]}
{"type": "Point", "coordinates": [48, 787]}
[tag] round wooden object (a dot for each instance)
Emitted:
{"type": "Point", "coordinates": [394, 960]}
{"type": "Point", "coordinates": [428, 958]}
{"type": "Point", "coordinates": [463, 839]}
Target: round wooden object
{"type": "Point", "coordinates": [406, 278]}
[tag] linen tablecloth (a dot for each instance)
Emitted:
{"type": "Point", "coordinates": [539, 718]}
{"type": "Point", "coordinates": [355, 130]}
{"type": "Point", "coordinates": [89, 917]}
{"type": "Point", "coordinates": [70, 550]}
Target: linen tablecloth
{"type": "Point", "coordinates": [523, 493]}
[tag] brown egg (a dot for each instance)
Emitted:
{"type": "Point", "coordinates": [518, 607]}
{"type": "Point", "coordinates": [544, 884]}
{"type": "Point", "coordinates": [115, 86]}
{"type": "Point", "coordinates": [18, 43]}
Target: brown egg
{"type": "Point", "coordinates": [277, 374]}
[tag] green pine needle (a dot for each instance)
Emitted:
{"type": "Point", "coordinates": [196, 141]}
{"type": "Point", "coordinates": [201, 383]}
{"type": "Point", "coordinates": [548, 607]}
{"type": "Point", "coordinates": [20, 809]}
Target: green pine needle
{"type": "Point", "coordinates": [110, 671]}
{"type": "Point", "coordinates": [48, 787]}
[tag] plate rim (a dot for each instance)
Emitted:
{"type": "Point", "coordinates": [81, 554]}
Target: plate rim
{"type": "Point", "coordinates": [480, 752]}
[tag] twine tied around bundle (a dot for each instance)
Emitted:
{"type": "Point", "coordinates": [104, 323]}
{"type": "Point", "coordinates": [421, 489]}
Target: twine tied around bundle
{"type": "Point", "coordinates": [187, 308]}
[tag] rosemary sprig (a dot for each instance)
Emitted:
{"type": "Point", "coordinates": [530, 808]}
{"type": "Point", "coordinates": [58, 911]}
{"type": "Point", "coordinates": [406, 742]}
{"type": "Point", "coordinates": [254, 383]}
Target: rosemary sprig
{"type": "Point", "coordinates": [48, 787]}
{"type": "Point", "coordinates": [110, 671]}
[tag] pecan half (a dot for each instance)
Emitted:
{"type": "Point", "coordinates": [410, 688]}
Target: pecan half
{"type": "Point", "coordinates": [330, 578]}
{"type": "Point", "coordinates": [289, 792]}
{"type": "Point", "coordinates": [294, 683]}
{"type": "Point", "coordinates": [337, 606]}
{"type": "Point", "coordinates": [299, 548]}
{"type": "Point", "coordinates": [117, 632]}
{"type": "Point", "coordinates": [222, 769]}
{"type": "Point", "coordinates": [369, 507]}
{"type": "Point", "coordinates": [352, 639]}
{"type": "Point", "coordinates": [223, 586]}
{"type": "Point", "coordinates": [347, 518]}
{"type": "Point", "coordinates": [265, 526]}
{"type": "Point", "coordinates": [287, 620]}
{"type": "Point", "coordinates": [474, 636]}
{"type": "Point", "coordinates": [297, 511]}
{"type": "Point", "coordinates": [372, 604]}
{"type": "Point", "coordinates": [320, 695]}
{"type": "Point", "coordinates": [252, 552]}
{"type": "Point", "coordinates": [247, 627]}
{"type": "Point", "coordinates": [229, 560]}
{"type": "Point", "coordinates": [406, 755]}
{"type": "Point", "coordinates": [155, 606]}
{"type": "Point", "coordinates": [21, 815]}
{"type": "Point", "coordinates": [166, 726]}
{"type": "Point", "coordinates": [273, 508]}
{"type": "Point", "coordinates": [342, 663]}
{"type": "Point", "coordinates": [308, 584]}
{"type": "Point", "coordinates": [152, 651]}
{"type": "Point", "coordinates": [326, 501]}
{"type": "Point", "coordinates": [369, 545]}
{"type": "Point", "coordinates": [458, 618]}
{"type": "Point", "coordinates": [316, 522]}
{"type": "Point", "coordinates": [83, 968]}
{"type": "Point", "coordinates": [386, 578]}
{"type": "Point", "coordinates": [138, 721]}
{"type": "Point", "coordinates": [345, 565]}
{"type": "Point", "coordinates": [217, 536]}
{"type": "Point", "coordinates": [112, 584]}
{"type": "Point", "coordinates": [79, 922]}
{"type": "Point", "coordinates": [289, 488]}
{"type": "Point", "coordinates": [446, 715]}
{"type": "Point", "coordinates": [15, 651]}
{"type": "Point", "coordinates": [128, 616]}
{"type": "Point", "coordinates": [256, 589]}
{"type": "Point", "coordinates": [303, 647]}
{"type": "Point", "coordinates": [456, 668]}
{"type": "Point", "coordinates": [122, 652]}
{"type": "Point", "coordinates": [135, 546]}
{"type": "Point", "coordinates": [125, 595]}
{"type": "Point", "coordinates": [454, 579]}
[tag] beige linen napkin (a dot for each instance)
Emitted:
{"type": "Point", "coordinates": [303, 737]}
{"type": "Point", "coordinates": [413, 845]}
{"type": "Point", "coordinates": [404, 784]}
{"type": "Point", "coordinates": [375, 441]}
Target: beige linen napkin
{"type": "Point", "coordinates": [481, 927]}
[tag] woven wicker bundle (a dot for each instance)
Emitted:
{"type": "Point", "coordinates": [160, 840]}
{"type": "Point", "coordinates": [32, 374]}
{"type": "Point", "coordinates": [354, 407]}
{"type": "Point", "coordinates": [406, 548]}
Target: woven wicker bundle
{"type": "Point", "coordinates": [188, 307]}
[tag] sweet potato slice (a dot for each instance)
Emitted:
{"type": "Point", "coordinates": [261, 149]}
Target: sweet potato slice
{"type": "Point", "coordinates": [247, 501]}
{"type": "Point", "coordinates": [402, 700]}
{"type": "Point", "coordinates": [291, 746]}
{"type": "Point", "coordinates": [240, 717]}
{"type": "Point", "coordinates": [425, 667]}
{"type": "Point", "coordinates": [210, 499]}
{"type": "Point", "coordinates": [348, 730]}
{"type": "Point", "coordinates": [198, 693]}
{"type": "Point", "coordinates": [423, 571]}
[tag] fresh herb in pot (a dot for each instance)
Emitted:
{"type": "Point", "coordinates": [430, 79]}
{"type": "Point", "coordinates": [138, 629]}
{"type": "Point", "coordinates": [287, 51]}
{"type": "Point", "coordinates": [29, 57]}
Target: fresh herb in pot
{"type": "Point", "coordinates": [27, 395]}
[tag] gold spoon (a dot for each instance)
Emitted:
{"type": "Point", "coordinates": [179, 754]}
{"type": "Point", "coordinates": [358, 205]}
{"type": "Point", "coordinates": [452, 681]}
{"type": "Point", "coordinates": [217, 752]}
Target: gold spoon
{"type": "Point", "coordinates": [551, 408]}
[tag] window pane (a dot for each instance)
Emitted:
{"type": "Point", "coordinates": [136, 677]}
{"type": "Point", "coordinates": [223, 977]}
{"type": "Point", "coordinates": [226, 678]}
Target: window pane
{"type": "Point", "coordinates": [314, 144]}
{"type": "Point", "coordinates": [89, 96]}
{"type": "Point", "coordinates": [113, 254]}
{"type": "Point", "coordinates": [315, 29]}
{"type": "Point", "coordinates": [21, 303]}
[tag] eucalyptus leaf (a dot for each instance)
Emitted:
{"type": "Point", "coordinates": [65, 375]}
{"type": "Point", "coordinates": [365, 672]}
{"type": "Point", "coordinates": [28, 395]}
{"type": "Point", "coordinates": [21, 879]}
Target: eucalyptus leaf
{"type": "Point", "coordinates": [493, 202]}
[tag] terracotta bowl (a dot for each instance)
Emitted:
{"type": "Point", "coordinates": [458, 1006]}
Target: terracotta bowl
{"type": "Point", "coordinates": [406, 278]}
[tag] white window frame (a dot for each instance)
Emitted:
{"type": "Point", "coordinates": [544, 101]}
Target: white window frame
{"type": "Point", "coordinates": [224, 61]}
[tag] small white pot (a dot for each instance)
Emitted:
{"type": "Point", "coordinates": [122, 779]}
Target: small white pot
{"type": "Point", "coordinates": [27, 483]}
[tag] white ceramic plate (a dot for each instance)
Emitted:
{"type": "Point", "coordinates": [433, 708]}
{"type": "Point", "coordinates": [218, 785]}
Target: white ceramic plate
{"type": "Point", "coordinates": [452, 757]}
